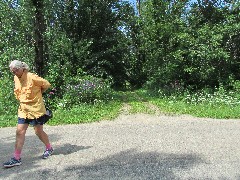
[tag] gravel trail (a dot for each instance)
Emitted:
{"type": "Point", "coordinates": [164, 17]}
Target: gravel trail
{"type": "Point", "coordinates": [131, 147]}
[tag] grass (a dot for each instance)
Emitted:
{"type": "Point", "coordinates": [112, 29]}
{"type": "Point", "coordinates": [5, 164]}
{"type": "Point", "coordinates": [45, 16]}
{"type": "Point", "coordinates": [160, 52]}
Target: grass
{"type": "Point", "coordinates": [7, 120]}
{"type": "Point", "coordinates": [220, 105]}
{"type": "Point", "coordinates": [140, 107]}
{"type": "Point", "coordinates": [86, 113]}
{"type": "Point", "coordinates": [199, 110]}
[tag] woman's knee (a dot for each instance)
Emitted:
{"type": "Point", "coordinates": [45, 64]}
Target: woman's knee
{"type": "Point", "coordinates": [21, 129]}
{"type": "Point", "coordinates": [38, 130]}
{"type": "Point", "coordinates": [20, 132]}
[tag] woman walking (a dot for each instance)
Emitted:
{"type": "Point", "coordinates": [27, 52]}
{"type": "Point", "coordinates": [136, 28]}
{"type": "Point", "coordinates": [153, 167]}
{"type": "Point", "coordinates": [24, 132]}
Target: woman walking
{"type": "Point", "coordinates": [28, 91]}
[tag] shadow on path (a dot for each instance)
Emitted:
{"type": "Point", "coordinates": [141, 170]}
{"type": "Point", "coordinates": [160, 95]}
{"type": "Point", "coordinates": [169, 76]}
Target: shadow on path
{"type": "Point", "coordinates": [134, 165]}
{"type": "Point", "coordinates": [68, 149]}
{"type": "Point", "coordinates": [31, 155]}
{"type": "Point", "coordinates": [125, 165]}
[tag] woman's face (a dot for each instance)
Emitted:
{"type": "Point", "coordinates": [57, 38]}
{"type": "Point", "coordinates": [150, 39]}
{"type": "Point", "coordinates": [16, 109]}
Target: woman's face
{"type": "Point", "coordinates": [17, 71]}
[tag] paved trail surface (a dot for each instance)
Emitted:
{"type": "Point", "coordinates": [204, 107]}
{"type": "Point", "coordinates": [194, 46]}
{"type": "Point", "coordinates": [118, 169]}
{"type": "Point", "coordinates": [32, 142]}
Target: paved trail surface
{"type": "Point", "coordinates": [132, 147]}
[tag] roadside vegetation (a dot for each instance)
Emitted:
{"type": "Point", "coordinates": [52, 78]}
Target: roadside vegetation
{"type": "Point", "coordinates": [106, 56]}
{"type": "Point", "coordinates": [218, 104]}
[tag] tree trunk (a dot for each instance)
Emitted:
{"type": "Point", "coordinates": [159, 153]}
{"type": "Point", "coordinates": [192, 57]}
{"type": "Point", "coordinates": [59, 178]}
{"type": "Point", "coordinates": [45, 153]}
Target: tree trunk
{"type": "Point", "coordinates": [138, 7]}
{"type": "Point", "coordinates": [39, 41]}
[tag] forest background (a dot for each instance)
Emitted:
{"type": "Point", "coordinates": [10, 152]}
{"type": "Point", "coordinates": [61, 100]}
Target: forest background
{"type": "Point", "coordinates": [179, 55]}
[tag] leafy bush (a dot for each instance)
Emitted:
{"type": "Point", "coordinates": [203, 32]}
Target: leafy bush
{"type": "Point", "coordinates": [219, 97]}
{"type": "Point", "coordinates": [8, 103]}
{"type": "Point", "coordinates": [87, 89]}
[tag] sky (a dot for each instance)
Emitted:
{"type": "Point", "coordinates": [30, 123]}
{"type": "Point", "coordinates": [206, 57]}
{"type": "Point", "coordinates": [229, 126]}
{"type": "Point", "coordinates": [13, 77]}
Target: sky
{"type": "Point", "coordinates": [132, 1]}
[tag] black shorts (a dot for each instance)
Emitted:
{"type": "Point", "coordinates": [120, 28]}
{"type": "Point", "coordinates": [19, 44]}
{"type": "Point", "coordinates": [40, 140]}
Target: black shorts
{"type": "Point", "coordinates": [41, 120]}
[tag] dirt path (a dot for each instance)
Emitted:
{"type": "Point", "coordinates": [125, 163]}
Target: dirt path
{"type": "Point", "coordinates": [137, 146]}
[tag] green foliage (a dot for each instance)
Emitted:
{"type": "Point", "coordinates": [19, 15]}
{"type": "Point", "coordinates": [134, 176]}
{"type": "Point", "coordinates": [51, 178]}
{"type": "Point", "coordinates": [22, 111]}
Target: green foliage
{"type": "Point", "coordinates": [168, 48]}
{"type": "Point", "coordinates": [200, 110]}
{"type": "Point", "coordinates": [218, 103]}
{"type": "Point", "coordinates": [16, 32]}
{"type": "Point", "coordinates": [140, 107]}
{"type": "Point", "coordinates": [86, 113]}
{"type": "Point", "coordinates": [197, 47]}
{"type": "Point", "coordinates": [59, 67]}
{"type": "Point", "coordinates": [165, 41]}
{"type": "Point", "coordinates": [86, 35]}
{"type": "Point", "coordinates": [85, 89]}
{"type": "Point", "coordinates": [8, 104]}
{"type": "Point", "coordinates": [208, 61]}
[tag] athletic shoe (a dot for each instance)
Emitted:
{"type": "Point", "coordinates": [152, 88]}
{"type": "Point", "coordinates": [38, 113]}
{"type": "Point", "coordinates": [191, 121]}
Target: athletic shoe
{"type": "Point", "coordinates": [12, 162]}
{"type": "Point", "coordinates": [47, 153]}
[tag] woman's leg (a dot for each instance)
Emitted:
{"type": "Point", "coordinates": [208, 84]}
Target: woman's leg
{"type": "Point", "coordinates": [44, 138]}
{"type": "Point", "coordinates": [20, 139]}
{"type": "Point", "coordinates": [41, 134]}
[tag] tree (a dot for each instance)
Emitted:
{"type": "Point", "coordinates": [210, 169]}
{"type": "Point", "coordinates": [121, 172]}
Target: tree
{"type": "Point", "coordinates": [39, 29]}
{"type": "Point", "coordinates": [162, 28]}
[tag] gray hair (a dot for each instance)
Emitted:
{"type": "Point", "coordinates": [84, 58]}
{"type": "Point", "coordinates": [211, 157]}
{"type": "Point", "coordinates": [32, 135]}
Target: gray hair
{"type": "Point", "coordinates": [19, 65]}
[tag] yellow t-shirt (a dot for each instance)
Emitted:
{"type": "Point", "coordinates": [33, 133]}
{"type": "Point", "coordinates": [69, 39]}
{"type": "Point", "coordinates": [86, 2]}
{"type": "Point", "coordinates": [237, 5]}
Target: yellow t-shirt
{"type": "Point", "coordinates": [28, 90]}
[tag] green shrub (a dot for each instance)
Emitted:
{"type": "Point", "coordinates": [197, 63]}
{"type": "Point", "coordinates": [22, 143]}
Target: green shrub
{"type": "Point", "coordinates": [8, 103]}
{"type": "Point", "coordinates": [86, 89]}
